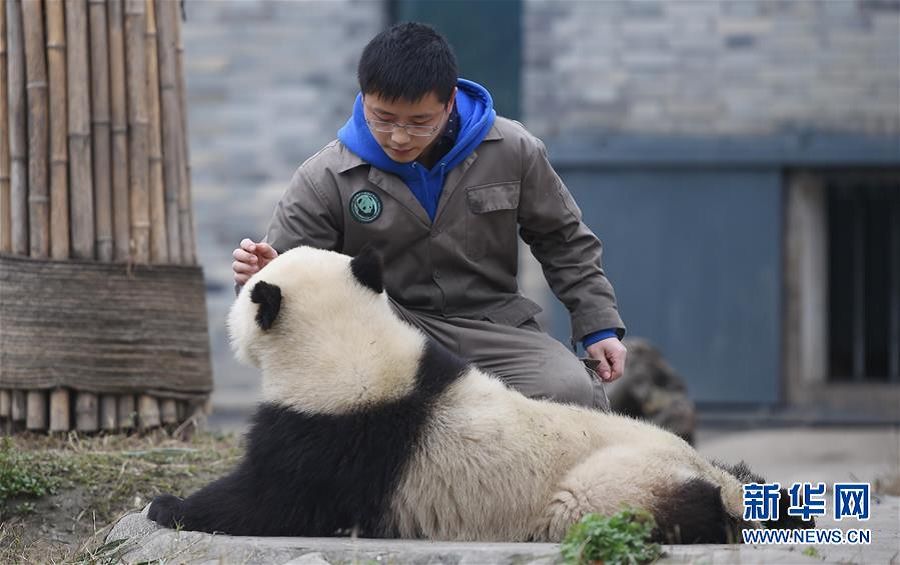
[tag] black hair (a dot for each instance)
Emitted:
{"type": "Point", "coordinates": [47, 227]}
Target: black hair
{"type": "Point", "coordinates": [408, 60]}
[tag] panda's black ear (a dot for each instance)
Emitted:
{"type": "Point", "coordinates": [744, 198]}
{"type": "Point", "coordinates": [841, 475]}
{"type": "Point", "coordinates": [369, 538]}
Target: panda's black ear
{"type": "Point", "coordinates": [268, 296]}
{"type": "Point", "coordinates": [367, 269]}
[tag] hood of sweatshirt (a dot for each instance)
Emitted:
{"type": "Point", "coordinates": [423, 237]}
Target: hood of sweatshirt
{"type": "Point", "coordinates": [476, 116]}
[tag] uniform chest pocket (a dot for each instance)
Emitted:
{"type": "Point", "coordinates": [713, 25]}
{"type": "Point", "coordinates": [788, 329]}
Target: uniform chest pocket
{"type": "Point", "coordinates": [491, 221]}
{"type": "Point", "coordinates": [493, 197]}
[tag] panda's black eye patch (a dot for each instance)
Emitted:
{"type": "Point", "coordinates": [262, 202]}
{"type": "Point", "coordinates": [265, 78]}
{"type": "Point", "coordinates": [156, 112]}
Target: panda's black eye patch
{"type": "Point", "coordinates": [268, 296]}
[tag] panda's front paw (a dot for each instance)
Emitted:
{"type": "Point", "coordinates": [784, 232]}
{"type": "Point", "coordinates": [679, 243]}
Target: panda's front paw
{"type": "Point", "coordinates": [165, 510]}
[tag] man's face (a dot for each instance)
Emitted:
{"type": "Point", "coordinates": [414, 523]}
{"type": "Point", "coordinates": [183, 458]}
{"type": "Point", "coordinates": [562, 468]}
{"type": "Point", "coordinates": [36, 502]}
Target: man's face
{"type": "Point", "coordinates": [428, 113]}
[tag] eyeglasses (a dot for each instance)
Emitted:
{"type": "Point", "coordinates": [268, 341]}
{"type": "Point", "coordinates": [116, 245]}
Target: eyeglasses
{"type": "Point", "coordinates": [388, 127]}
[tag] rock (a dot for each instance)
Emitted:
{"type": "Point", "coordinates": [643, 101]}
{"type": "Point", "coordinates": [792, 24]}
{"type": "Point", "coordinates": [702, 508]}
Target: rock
{"type": "Point", "coordinates": [170, 546]}
{"type": "Point", "coordinates": [315, 558]}
{"type": "Point", "coordinates": [133, 526]}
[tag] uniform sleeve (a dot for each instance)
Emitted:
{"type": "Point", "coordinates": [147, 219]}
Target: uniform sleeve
{"type": "Point", "coordinates": [569, 252]}
{"type": "Point", "coordinates": [307, 214]}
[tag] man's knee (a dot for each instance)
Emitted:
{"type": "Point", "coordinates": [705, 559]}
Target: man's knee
{"type": "Point", "coordinates": [570, 385]}
{"type": "Point", "coordinates": [578, 385]}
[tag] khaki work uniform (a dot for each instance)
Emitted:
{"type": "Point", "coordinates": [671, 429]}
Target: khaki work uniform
{"type": "Point", "coordinates": [455, 277]}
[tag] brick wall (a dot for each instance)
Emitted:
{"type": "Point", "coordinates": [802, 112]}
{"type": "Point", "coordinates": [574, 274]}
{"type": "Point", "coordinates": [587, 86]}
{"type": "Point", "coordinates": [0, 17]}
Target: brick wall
{"type": "Point", "coordinates": [268, 84]}
{"type": "Point", "coordinates": [711, 66]}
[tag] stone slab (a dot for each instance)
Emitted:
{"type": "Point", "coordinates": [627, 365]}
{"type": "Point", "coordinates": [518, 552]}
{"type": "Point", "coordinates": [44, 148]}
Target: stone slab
{"type": "Point", "coordinates": [149, 542]}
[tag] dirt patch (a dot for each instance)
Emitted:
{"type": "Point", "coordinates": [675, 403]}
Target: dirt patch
{"type": "Point", "coordinates": [60, 495]}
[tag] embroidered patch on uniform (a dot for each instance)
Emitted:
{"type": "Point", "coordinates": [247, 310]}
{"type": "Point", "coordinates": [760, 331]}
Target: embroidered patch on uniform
{"type": "Point", "coordinates": [365, 206]}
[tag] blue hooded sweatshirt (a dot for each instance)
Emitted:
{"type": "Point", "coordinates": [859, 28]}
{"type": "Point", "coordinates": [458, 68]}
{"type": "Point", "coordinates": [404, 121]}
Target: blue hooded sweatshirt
{"type": "Point", "coordinates": [476, 116]}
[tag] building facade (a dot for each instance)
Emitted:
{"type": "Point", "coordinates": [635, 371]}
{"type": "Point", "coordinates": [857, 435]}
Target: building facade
{"type": "Point", "coordinates": [739, 159]}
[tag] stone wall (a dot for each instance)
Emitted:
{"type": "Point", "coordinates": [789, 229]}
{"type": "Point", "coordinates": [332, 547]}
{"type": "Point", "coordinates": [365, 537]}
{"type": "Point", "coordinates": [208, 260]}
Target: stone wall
{"type": "Point", "coordinates": [703, 67]}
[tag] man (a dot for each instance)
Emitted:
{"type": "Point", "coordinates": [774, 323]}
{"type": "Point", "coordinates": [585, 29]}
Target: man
{"type": "Point", "coordinates": [427, 173]}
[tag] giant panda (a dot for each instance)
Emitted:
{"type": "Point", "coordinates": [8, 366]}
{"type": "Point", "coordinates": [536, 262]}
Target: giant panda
{"type": "Point", "coordinates": [371, 428]}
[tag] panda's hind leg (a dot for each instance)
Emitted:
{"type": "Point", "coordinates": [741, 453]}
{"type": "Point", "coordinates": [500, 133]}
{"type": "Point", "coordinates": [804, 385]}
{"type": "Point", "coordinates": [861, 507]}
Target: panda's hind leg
{"type": "Point", "coordinates": [687, 508]}
{"type": "Point", "coordinates": [605, 483]}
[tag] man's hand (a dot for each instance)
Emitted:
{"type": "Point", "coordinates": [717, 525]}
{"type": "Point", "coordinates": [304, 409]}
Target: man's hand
{"type": "Point", "coordinates": [611, 354]}
{"type": "Point", "coordinates": [249, 258]}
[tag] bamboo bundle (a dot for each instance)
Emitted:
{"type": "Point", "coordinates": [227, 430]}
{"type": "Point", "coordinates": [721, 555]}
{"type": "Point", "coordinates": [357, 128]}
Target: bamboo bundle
{"type": "Point", "coordinates": [59, 155]}
{"type": "Point", "coordinates": [79, 118]}
{"type": "Point", "coordinates": [5, 234]}
{"type": "Point", "coordinates": [159, 252]}
{"type": "Point", "coordinates": [5, 401]}
{"type": "Point", "coordinates": [18, 148]}
{"type": "Point", "coordinates": [171, 126]}
{"type": "Point", "coordinates": [121, 201]}
{"type": "Point", "coordinates": [36, 410]}
{"type": "Point", "coordinates": [135, 70]}
{"type": "Point", "coordinates": [17, 409]}
{"type": "Point", "coordinates": [38, 134]}
{"type": "Point", "coordinates": [100, 130]}
{"type": "Point", "coordinates": [108, 417]}
{"type": "Point", "coordinates": [59, 410]}
{"type": "Point", "coordinates": [148, 412]}
{"type": "Point", "coordinates": [86, 413]}
{"type": "Point", "coordinates": [126, 412]}
{"type": "Point", "coordinates": [189, 249]}
{"type": "Point", "coordinates": [168, 410]}
{"type": "Point", "coordinates": [94, 165]}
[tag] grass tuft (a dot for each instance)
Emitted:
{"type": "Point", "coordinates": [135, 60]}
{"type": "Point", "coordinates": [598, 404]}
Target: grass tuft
{"type": "Point", "coordinates": [59, 495]}
{"type": "Point", "coordinates": [23, 475]}
{"type": "Point", "coordinates": [623, 538]}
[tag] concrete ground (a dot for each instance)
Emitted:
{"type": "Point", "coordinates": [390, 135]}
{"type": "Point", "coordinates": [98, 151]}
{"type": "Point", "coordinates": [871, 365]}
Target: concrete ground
{"type": "Point", "coordinates": [785, 455]}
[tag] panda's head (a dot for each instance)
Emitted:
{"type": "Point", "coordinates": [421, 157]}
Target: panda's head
{"type": "Point", "coordinates": [313, 318]}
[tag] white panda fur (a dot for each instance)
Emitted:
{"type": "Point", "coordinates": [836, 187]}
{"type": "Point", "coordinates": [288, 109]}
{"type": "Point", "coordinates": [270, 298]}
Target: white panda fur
{"type": "Point", "coordinates": [481, 462]}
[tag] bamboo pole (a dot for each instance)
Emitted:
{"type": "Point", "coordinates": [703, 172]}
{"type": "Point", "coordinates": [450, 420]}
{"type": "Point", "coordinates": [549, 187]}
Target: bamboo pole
{"type": "Point", "coordinates": [168, 409]}
{"type": "Point", "coordinates": [18, 131]}
{"type": "Point", "coordinates": [36, 411]}
{"type": "Point", "coordinates": [148, 412]}
{"type": "Point", "coordinates": [5, 403]}
{"type": "Point", "coordinates": [108, 417]}
{"type": "Point", "coordinates": [60, 413]}
{"type": "Point", "coordinates": [126, 412]}
{"type": "Point", "coordinates": [80, 158]}
{"type": "Point", "coordinates": [136, 77]}
{"type": "Point", "coordinates": [17, 408]}
{"type": "Point", "coordinates": [171, 125]}
{"type": "Point", "coordinates": [38, 132]}
{"type": "Point", "coordinates": [189, 247]}
{"type": "Point", "coordinates": [86, 412]}
{"type": "Point", "coordinates": [5, 218]}
{"type": "Point", "coordinates": [59, 154]}
{"type": "Point", "coordinates": [159, 252]}
{"type": "Point", "coordinates": [120, 199]}
{"type": "Point", "coordinates": [100, 122]}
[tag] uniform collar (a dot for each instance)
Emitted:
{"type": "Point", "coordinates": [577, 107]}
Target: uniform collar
{"type": "Point", "coordinates": [350, 160]}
